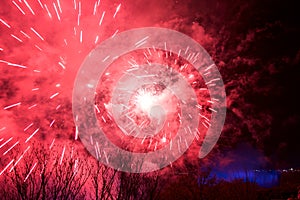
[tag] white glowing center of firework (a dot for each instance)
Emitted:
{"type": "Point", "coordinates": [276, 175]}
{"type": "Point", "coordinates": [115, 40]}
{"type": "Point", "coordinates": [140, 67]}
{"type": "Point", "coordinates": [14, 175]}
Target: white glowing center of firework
{"type": "Point", "coordinates": [145, 101]}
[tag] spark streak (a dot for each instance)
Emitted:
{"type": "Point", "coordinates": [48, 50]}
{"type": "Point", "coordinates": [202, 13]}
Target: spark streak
{"type": "Point", "coordinates": [20, 9]}
{"type": "Point", "coordinates": [96, 40]}
{"type": "Point", "coordinates": [41, 4]}
{"type": "Point", "coordinates": [59, 6]}
{"type": "Point", "coordinates": [209, 67]}
{"type": "Point", "coordinates": [15, 65]}
{"type": "Point", "coordinates": [16, 38]}
{"type": "Point", "coordinates": [19, 159]}
{"type": "Point", "coordinates": [5, 23]}
{"type": "Point", "coordinates": [51, 124]}
{"type": "Point", "coordinates": [52, 143]}
{"type": "Point", "coordinates": [49, 14]}
{"type": "Point", "coordinates": [39, 48]}
{"type": "Point", "coordinates": [7, 166]}
{"type": "Point", "coordinates": [25, 34]}
{"type": "Point", "coordinates": [95, 8]}
{"type": "Point", "coordinates": [105, 59]}
{"type": "Point", "coordinates": [33, 30]}
{"type": "Point", "coordinates": [102, 17]}
{"type": "Point", "coordinates": [117, 10]}
{"type": "Point", "coordinates": [27, 127]}
{"type": "Point", "coordinates": [62, 155]}
{"type": "Point", "coordinates": [76, 132]}
{"type": "Point", "coordinates": [7, 141]}
{"type": "Point", "coordinates": [28, 6]}
{"type": "Point", "coordinates": [30, 172]}
{"type": "Point", "coordinates": [10, 148]}
{"type": "Point", "coordinates": [32, 135]}
{"type": "Point", "coordinates": [35, 89]}
{"type": "Point", "coordinates": [115, 34]}
{"type": "Point", "coordinates": [141, 42]}
{"type": "Point", "coordinates": [54, 95]}
{"type": "Point", "coordinates": [62, 65]}
{"type": "Point", "coordinates": [212, 110]}
{"type": "Point", "coordinates": [187, 49]}
{"type": "Point", "coordinates": [98, 111]}
{"type": "Point", "coordinates": [79, 13]}
{"type": "Point", "coordinates": [81, 36]}
{"type": "Point", "coordinates": [56, 11]}
{"type": "Point", "coordinates": [34, 105]}
{"type": "Point", "coordinates": [11, 106]}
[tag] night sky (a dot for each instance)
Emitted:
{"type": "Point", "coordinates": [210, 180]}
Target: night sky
{"type": "Point", "coordinates": [255, 45]}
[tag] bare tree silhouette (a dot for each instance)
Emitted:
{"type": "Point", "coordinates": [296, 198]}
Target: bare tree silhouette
{"type": "Point", "coordinates": [61, 173]}
{"type": "Point", "coordinates": [103, 179]}
{"type": "Point", "coordinates": [43, 174]}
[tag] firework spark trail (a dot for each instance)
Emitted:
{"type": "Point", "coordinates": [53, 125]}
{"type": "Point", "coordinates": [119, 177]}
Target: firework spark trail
{"type": "Point", "coordinates": [41, 4]}
{"type": "Point", "coordinates": [39, 48]}
{"type": "Point", "coordinates": [25, 34]}
{"type": "Point", "coordinates": [35, 89]}
{"type": "Point", "coordinates": [79, 13]}
{"type": "Point", "coordinates": [56, 11]}
{"type": "Point", "coordinates": [95, 8]}
{"type": "Point", "coordinates": [97, 153]}
{"type": "Point", "coordinates": [32, 135]}
{"type": "Point", "coordinates": [141, 42]}
{"type": "Point", "coordinates": [117, 10]}
{"type": "Point", "coordinates": [62, 65]}
{"type": "Point", "coordinates": [29, 7]}
{"type": "Point", "coordinates": [96, 39]}
{"type": "Point", "coordinates": [7, 141]}
{"type": "Point", "coordinates": [18, 7]}
{"type": "Point", "coordinates": [76, 132]}
{"type": "Point", "coordinates": [19, 159]}
{"type": "Point", "coordinates": [59, 6]}
{"type": "Point", "coordinates": [35, 32]}
{"type": "Point", "coordinates": [10, 148]}
{"type": "Point", "coordinates": [80, 36]}
{"type": "Point", "coordinates": [62, 155]}
{"type": "Point", "coordinates": [115, 34]}
{"type": "Point", "coordinates": [6, 167]}
{"type": "Point", "coordinates": [52, 143]}
{"type": "Point", "coordinates": [15, 37]}
{"type": "Point", "coordinates": [54, 95]}
{"type": "Point", "coordinates": [49, 14]}
{"type": "Point", "coordinates": [101, 19]}
{"type": "Point", "coordinates": [30, 172]}
{"type": "Point", "coordinates": [11, 106]}
{"type": "Point", "coordinates": [51, 124]}
{"type": "Point", "coordinates": [13, 64]}
{"type": "Point", "coordinates": [5, 23]}
{"type": "Point", "coordinates": [30, 107]}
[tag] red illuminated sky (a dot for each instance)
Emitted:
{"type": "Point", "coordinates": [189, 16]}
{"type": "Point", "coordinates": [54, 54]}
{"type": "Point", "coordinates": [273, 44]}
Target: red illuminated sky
{"type": "Point", "coordinates": [254, 44]}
